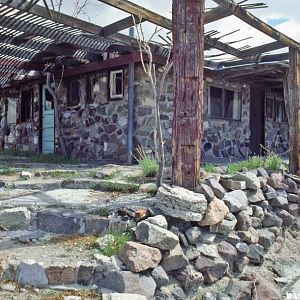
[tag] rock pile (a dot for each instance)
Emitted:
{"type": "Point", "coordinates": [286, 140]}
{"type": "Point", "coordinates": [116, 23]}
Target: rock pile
{"type": "Point", "coordinates": [198, 238]}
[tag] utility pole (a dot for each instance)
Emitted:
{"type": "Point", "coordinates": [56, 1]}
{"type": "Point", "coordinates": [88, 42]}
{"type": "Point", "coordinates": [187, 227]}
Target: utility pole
{"type": "Point", "coordinates": [188, 57]}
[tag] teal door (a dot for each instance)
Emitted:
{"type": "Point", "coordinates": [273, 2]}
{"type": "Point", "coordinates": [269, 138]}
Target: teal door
{"type": "Point", "coordinates": [48, 122]}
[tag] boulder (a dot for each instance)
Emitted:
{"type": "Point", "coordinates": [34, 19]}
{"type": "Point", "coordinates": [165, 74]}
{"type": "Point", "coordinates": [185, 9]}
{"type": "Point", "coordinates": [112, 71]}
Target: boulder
{"type": "Point", "coordinates": [240, 289]}
{"type": "Point", "coordinates": [209, 250]}
{"type": "Point", "coordinates": [85, 272]}
{"type": "Point", "coordinates": [244, 221]}
{"type": "Point", "coordinates": [181, 203]}
{"type": "Point", "coordinates": [240, 264]}
{"type": "Point", "coordinates": [160, 276]}
{"type": "Point", "coordinates": [236, 201]}
{"type": "Point", "coordinates": [275, 184]}
{"type": "Point", "coordinates": [170, 292]}
{"type": "Point", "coordinates": [294, 209]}
{"type": "Point", "coordinates": [266, 290]}
{"type": "Point", "coordinates": [242, 248]}
{"type": "Point", "coordinates": [189, 279]}
{"type": "Point", "coordinates": [212, 270]}
{"type": "Point", "coordinates": [155, 236]}
{"type": "Point", "coordinates": [215, 213]}
{"type": "Point", "coordinates": [96, 225]}
{"type": "Point", "coordinates": [233, 184]}
{"type": "Point", "coordinates": [225, 226]}
{"type": "Point", "coordinates": [277, 176]}
{"type": "Point", "coordinates": [266, 238]}
{"type": "Point", "coordinates": [118, 296]}
{"type": "Point", "coordinates": [256, 222]}
{"type": "Point", "coordinates": [192, 253]}
{"type": "Point", "coordinates": [31, 273]}
{"type": "Point", "coordinates": [270, 219]}
{"type": "Point", "coordinates": [255, 196]}
{"type": "Point", "coordinates": [193, 235]}
{"type": "Point", "coordinates": [61, 222]}
{"type": "Point", "coordinates": [207, 237]}
{"type": "Point", "coordinates": [252, 182]}
{"type": "Point", "coordinates": [174, 259]}
{"type": "Point", "coordinates": [15, 218]}
{"type": "Point", "coordinates": [228, 253]}
{"type": "Point", "coordinates": [128, 282]}
{"type": "Point", "coordinates": [138, 257]}
{"type": "Point", "coordinates": [61, 274]}
{"type": "Point", "coordinates": [255, 254]}
{"type": "Point", "coordinates": [262, 172]}
{"type": "Point", "coordinates": [294, 198]}
{"type": "Point", "coordinates": [206, 191]}
{"type": "Point", "coordinates": [249, 236]}
{"type": "Point", "coordinates": [258, 212]}
{"type": "Point", "coordinates": [158, 220]}
{"type": "Point", "coordinates": [216, 187]}
{"type": "Point", "coordinates": [279, 202]}
{"type": "Point", "coordinates": [286, 217]}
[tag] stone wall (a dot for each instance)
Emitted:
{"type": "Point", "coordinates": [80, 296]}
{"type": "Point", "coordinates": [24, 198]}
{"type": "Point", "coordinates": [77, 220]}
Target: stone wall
{"type": "Point", "coordinates": [276, 133]}
{"type": "Point", "coordinates": [23, 136]}
{"type": "Point", "coordinates": [97, 130]}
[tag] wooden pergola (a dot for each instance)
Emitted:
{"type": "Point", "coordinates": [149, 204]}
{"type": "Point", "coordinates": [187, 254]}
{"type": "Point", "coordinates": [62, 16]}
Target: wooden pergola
{"type": "Point", "coordinates": [32, 36]}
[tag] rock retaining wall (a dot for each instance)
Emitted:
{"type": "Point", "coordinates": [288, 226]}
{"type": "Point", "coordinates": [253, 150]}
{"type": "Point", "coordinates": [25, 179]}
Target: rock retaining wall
{"type": "Point", "coordinates": [193, 240]}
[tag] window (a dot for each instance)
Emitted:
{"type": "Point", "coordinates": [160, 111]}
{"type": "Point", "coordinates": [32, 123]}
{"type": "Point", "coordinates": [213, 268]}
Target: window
{"type": "Point", "coordinates": [88, 89]}
{"type": "Point", "coordinates": [49, 102]}
{"type": "Point", "coordinates": [116, 84]}
{"type": "Point", "coordinates": [275, 109]}
{"type": "Point", "coordinates": [224, 103]}
{"type": "Point", "coordinates": [11, 111]}
{"type": "Point", "coordinates": [26, 105]}
{"type": "Point", "coordinates": [73, 93]}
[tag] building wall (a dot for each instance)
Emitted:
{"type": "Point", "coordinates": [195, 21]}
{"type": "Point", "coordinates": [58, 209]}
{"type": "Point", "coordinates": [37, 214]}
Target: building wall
{"type": "Point", "coordinates": [23, 136]}
{"type": "Point", "coordinates": [276, 130]}
{"type": "Point", "coordinates": [97, 129]}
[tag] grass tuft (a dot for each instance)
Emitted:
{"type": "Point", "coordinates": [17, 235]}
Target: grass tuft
{"type": "Point", "coordinates": [116, 243]}
{"type": "Point", "coordinates": [148, 165]}
{"type": "Point", "coordinates": [209, 168]}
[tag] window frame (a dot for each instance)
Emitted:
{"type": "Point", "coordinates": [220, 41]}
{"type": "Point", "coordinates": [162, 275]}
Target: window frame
{"type": "Point", "coordinates": [112, 82]}
{"type": "Point", "coordinates": [236, 93]}
{"type": "Point", "coordinates": [275, 100]}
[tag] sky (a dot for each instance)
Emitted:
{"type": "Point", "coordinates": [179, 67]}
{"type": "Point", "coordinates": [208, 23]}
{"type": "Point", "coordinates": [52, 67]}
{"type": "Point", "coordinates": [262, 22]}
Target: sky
{"type": "Point", "coordinates": [281, 14]}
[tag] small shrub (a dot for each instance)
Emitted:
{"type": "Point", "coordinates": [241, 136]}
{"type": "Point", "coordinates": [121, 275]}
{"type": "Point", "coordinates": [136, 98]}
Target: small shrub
{"type": "Point", "coordinates": [8, 171]}
{"type": "Point", "coordinates": [148, 165]}
{"type": "Point", "coordinates": [116, 243]}
{"type": "Point", "coordinates": [209, 168]}
{"type": "Point", "coordinates": [273, 162]}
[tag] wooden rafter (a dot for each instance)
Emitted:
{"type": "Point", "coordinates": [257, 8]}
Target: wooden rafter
{"type": "Point", "coordinates": [255, 22]}
{"type": "Point", "coordinates": [118, 26]}
{"type": "Point", "coordinates": [164, 22]}
{"type": "Point", "coordinates": [256, 51]}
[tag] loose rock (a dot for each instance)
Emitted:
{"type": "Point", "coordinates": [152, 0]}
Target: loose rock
{"type": "Point", "coordinates": [236, 201]}
{"type": "Point", "coordinates": [215, 213]}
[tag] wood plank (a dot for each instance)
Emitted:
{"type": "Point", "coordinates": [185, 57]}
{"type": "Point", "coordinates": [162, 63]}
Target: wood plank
{"type": "Point", "coordinates": [255, 22]}
{"type": "Point", "coordinates": [262, 49]}
{"type": "Point", "coordinates": [293, 111]}
{"type": "Point", "coordinates": [216, 14]}
{"type": "Point", "coordinates": [118, 26]}
{"type": "Point", "coordinates": [188, 58]}
{"type": "Point", "coordinates": [164, 22]}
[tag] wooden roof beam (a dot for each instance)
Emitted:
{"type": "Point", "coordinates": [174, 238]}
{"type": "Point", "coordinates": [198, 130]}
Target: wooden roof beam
{"type": "Point", "coordinates": [255, 22]}
{"type": "Point", "coordinates": [118, 26]}
{"type": "Point", "coordinates": [164, 22]}
{"type": "Point", "coordinates": [256, 51]}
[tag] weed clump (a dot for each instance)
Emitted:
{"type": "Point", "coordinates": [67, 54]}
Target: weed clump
{"type": "Point", "coordinates": [148, 164]}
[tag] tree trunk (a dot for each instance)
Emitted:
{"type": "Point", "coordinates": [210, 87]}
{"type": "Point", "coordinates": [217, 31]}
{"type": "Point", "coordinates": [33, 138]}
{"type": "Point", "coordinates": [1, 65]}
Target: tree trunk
{"type": "Point", "coordinates": [293, 111]}
{"type": "Point", "coordinates": [56, 116]}
{"type": "Point", "coordinates": [188, 57]}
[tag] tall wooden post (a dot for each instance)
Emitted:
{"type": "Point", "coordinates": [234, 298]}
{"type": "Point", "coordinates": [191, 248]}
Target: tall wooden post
{"type": "Point", "coordinates": [293, 111]}
{"type": "Point", "coordinates": [188, 56]}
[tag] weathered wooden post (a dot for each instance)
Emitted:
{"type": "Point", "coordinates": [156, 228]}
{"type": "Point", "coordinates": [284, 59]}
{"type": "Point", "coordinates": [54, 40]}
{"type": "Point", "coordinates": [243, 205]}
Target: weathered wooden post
{"type": "Point", "coordinates": [293, 111]}
{"type": "Point", "coordinates": [188, 56]}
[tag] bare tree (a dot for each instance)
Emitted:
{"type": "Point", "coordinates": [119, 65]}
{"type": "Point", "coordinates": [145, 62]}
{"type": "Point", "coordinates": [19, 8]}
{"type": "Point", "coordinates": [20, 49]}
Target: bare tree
{"type": "Point", "coordinates": [157, 87]}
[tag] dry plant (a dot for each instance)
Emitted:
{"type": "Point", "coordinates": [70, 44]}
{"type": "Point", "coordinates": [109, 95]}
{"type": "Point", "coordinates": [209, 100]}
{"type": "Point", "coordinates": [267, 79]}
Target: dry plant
{"type": "Point", "coordinates": [157, 87]}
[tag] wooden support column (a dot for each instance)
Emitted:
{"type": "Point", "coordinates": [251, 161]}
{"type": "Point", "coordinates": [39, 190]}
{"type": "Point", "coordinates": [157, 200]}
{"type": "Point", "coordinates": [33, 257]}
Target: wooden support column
{"type": "Point", "coordinates": [293, 111]}
{"type": "Point", "coordinates": [188, 56]}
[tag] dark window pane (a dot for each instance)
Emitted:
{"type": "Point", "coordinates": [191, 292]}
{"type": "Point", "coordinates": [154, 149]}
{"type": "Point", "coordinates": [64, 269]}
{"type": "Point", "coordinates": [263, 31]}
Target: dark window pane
{"type": "Point", "coordinates": [73, 97]}
{"type": "Point", "coordinates": [119, 84]}
{"type": "Point", "coordinates": [228, 105]}
{"type": "Point", "coordinates": [26, 105]}
{"type": "Point", "coordinates": [215, 102]}
{"type": "Point", "coordinates": [279, 111]}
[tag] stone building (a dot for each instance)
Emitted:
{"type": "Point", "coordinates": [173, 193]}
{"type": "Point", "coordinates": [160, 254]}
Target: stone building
{"type": "Point", "coordinates": [105, 102]}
